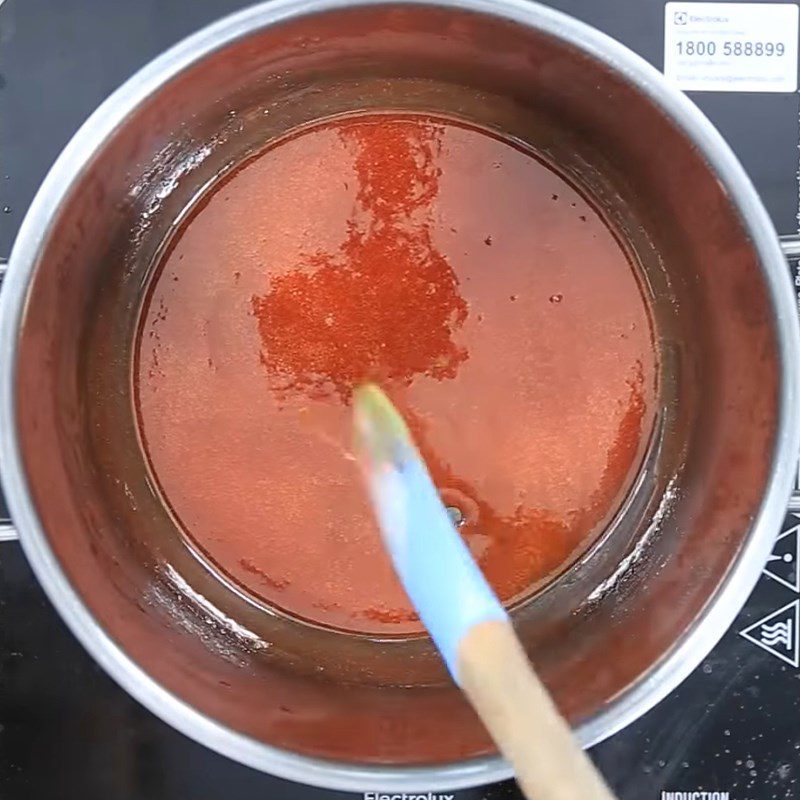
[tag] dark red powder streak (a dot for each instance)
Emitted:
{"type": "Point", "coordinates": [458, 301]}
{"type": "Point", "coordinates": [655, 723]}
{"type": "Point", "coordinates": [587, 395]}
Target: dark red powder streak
{"type": "Point", "coordinates": [386, 305]}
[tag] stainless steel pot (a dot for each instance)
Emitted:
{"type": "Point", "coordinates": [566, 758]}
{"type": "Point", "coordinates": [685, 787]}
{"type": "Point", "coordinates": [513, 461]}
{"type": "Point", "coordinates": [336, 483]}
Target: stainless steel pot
{"type": "Point", "coordinates": [611, 637]}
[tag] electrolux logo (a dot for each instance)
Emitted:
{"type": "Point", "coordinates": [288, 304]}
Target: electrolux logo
{"type": "Point", "coordinates": [680, 18]}
{"type": "Point", "coordinates": [706, 18]}
{"type": "Point", "coordinates": [709, 18]}
{"type": "Point", "coordinates": [405, 796]}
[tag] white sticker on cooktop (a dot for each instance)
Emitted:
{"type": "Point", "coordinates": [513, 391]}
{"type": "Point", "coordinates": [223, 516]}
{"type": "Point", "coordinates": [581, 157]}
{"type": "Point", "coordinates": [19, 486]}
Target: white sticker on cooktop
{"type": "Point", "coordinates": [731, 47]}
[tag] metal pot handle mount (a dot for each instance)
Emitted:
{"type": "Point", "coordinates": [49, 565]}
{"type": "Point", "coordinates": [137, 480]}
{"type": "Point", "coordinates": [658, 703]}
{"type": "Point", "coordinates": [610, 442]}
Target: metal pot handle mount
{"type": "Point", "coordinates": [7, 530]}
{"type": "Point", "coordinates": [791, 249]}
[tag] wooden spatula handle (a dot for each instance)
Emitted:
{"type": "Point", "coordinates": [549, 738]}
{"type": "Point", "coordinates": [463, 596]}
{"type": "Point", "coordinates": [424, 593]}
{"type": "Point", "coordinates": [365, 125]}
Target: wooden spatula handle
{"type": "Point", "coordinates": [495, 674]}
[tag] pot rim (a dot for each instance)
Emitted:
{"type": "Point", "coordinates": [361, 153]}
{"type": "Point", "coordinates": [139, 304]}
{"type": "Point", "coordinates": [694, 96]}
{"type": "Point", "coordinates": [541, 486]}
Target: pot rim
{"type": "Point", "coordinates": [696, 642]}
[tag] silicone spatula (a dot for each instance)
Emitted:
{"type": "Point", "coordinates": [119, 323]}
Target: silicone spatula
{"type": "Point", "coordinates": [461, 612]}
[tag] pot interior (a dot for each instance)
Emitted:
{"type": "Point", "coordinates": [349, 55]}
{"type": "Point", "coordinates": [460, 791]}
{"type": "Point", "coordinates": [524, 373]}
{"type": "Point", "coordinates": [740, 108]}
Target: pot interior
{"type": "Point", "coordinates": [619, 610]}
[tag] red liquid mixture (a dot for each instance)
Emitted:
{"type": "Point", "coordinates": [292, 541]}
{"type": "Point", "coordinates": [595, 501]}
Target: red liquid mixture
{"type": "Point", "coordinates": [466, 277]}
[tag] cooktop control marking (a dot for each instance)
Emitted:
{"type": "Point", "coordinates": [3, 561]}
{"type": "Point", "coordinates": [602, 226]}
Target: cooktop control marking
{"type": "Point", "coordinates": [782, 565]}
{"type": "Point", "coordinates": [777, 633]}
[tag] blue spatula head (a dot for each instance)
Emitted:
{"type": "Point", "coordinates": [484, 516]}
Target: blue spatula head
{"type": "Point", "coordinates": [435, 567]}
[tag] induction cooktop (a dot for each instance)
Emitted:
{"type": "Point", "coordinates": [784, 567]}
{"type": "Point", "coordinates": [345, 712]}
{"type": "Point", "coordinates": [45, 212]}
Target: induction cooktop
{"type": "Point", "coordinates": [731, 730]}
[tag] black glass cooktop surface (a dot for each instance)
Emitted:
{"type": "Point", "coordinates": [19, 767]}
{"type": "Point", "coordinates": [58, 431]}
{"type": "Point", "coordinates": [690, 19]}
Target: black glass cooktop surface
{"type": "Point", "coordinates": [67, 731]}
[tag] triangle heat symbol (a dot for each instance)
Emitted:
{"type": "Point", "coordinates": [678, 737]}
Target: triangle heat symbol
{"type": "Point", "coordinates": [777, 633]}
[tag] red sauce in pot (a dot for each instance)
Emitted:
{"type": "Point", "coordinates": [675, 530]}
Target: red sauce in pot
{"type": "Point", "coordinates": [468, 278]}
